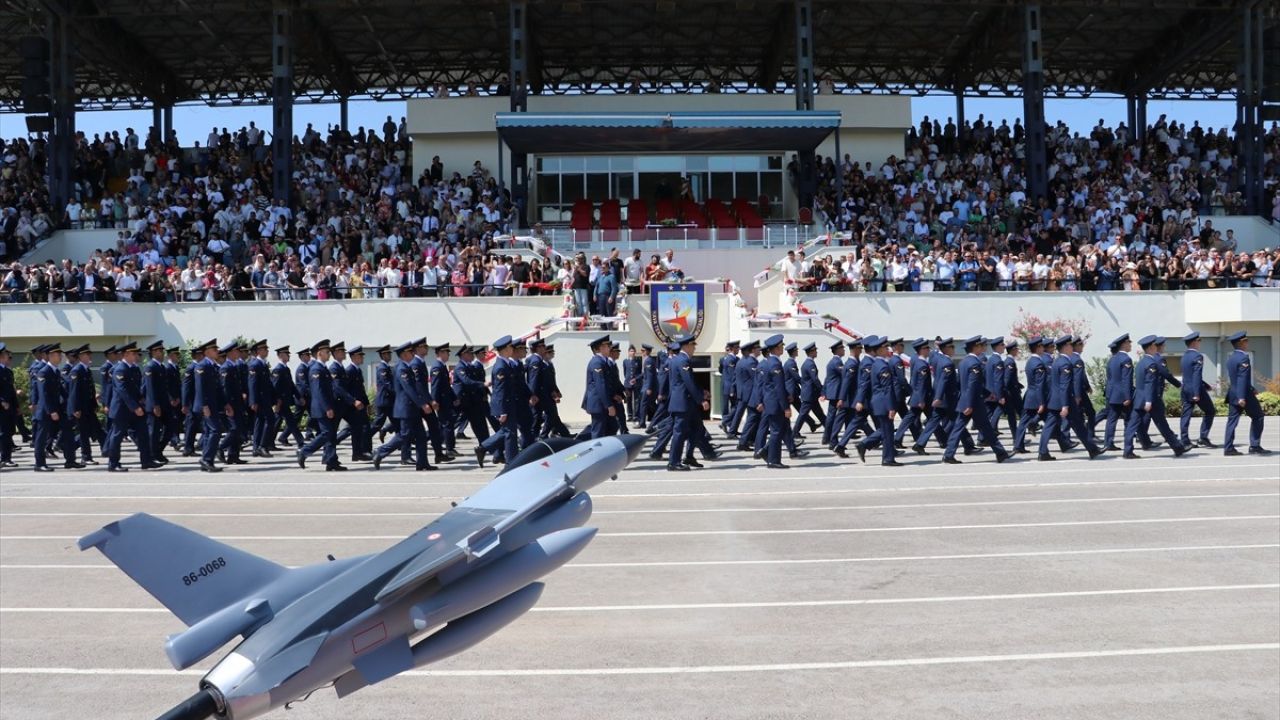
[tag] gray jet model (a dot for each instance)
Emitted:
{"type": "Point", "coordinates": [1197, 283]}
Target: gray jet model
{"type": "Point", "coordinates": [352, 622]}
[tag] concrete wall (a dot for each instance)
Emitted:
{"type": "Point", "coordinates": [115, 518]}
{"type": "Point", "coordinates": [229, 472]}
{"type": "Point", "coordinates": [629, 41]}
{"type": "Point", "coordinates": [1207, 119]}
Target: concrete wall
{"type": "Point", "coordinates": [75, 244]}
{"type": "Point", "coordinates": [1215, 313]}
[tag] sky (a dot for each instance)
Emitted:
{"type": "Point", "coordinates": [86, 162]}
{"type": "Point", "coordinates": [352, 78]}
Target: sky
{"type": "Point", "coordinates": [193, 122]}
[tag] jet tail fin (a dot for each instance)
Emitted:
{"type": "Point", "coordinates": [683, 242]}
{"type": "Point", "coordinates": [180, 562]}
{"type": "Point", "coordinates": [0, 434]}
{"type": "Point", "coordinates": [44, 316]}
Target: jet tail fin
{"type": "Point", "coordinates": [191, 575]}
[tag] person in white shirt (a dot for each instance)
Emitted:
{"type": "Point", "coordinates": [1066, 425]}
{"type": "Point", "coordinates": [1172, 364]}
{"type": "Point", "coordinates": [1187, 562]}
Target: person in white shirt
{"type": "Point", "coordinates": [73, 212]}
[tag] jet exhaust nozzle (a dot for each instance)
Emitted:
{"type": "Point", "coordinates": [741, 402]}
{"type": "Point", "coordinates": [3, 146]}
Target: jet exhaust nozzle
{"type": "Point", "coordinates": [197, 707]}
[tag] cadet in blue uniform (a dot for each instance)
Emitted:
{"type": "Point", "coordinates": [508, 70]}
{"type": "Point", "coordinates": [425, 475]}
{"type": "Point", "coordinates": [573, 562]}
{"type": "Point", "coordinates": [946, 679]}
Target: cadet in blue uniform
{"type": "Point", "coordinates": [993, 381]}
{"type": "Point", "coordinates": [596, 397]}
{"type": "Point", "coordinates": [920, 391]}
{"type": "Point", "coordinates": [1036, 400]}
{"type": "Point", "coordinates": [685, 406]}
{"type": "Point", "coordinates": [261, 399]}
{"type": "Point", "coordinates": [648, 386]}
{"type": "Point", "coordinates": [728, 392]}
{"type": "Point", "coordinates": [1119, 389]}
{"type": "Point", "coordinates": [411, 405]}
{"type": "Point", "coordinates": [810, 391]}
{"type": "Point", "coordinates": [234, 392]}
{"type": "Point", "coordinates": [1083, 386]}
{"type": "Point", "coordinates": [617, 388]}
{"type": "Point", "coordinates": [856, 394]}
{"type": "Point", "coordinates": [193, 422]}
{"type": "Point", "coordinates": [1012, 387]}
{"type": "Point", "coordinates": [9, 409]}
{"type": "Point", "coordinates": [743, 382]}
{"type": "Point", "coordinates": [82, 405]}
{"type": "Point", "coordinates": [631, 383]}
{"type": "Point", "coordinates": [446, 400]}
{"type": "Point", "coordinates": [503, 376]}
{"type": "Point", "coordinates": [128, 412]}
{"type": "Point", "coordinates": [422, 376]}
{"type": "Point", "coordinates": [110, 356]}
{"type": "Point", "coordinates": [791, 377]}
{"type": "Point", "coordinates": [302, 381]}
{"type": "Point", "coordinates": [1064, 405]}
{"type": "Point", "coordinates": [831, 384]}
{"type": "Point", "coordinates": [472, 392]}
{"type": "Point", "coordinates": [1195, 394]}
{"type": "Point", "coordinates": [155, 390]}
{"type": "Point", "coordinates": [1148, 401]}
{"type": "Point", "coordinates": [970, 404]}
{"type": "Point", "coordinates": [358, 419]}
{"type": "Point", "coordinates": [769, 398]}
{"type": "Point", "coordinates": [1242, 398]}
{"type": "Point", "coordinates": [538, 375]}
{"type": "Point", "coordinates": [324, 411]}
{"type": "Point", "coordinates": [50, 410]}
{"type": "Point", "coordinates": [555, 426]}
{"type": "Point", "coordinates": [173, 379]}
{"type": "Point", "coordinates": [384, 395]}
{"type": "Point", "coordinates": [287, 397]}
{"type": "Point", "coordinates": [883, 387]}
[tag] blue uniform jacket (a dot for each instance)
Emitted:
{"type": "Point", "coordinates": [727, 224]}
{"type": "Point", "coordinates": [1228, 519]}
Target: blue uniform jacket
{"type": "Point", "coordinates": [596, 399]}
{"type": "Point", "coordinates": [728, 375]}
{"type": "Point", "coordinates": [685, 395]}
{"type": "Point", "coordinates": [884, 386]}
{"type": "Point", "coordinates": [126, 390]}
{"type": "Point", "coordinates": [973, 391]}
{"type": "Point", "coordinates": [302, 381]}
{"type": "Point", "coordinates": [282, 387]}
{"type": "Point", "coordinates": [810, 383]}
{"type": "Point", "coordinates": [993, 382]}
{"type": "Point", "coordinates": [1193, 383]}
{"type": "Point", "coordinates": [771, 385]}
{"type": "Point", "coordinates": [1061, 383]}
{"type": "Point", "coordinates": [921, 381]}
{"type": "Point", "coordinates": [81, 391]}
{"type": "Point", "coordinates": [1240, 377]}
{"type": "Point", "coordinates": [260, 391]}
{"type": "Point", "coordinates": [791, 373]}
{"type": "Point", "coordinates": [1037, 374]}
{"type": "Point", "coordinates": [1119, 379]}
{"type": "Point", "coordinates": [409, 398]}
{"type": "Point", "coordinates": [835, 376]}
{"type": "Point", "coordinates": [322, 389]}
{"type": "Point", "coordinates": [207, 388]}
{"type": "Point", "coordinates": [441, 388]}
{"type": "Point", "coordinates": [946, 386]}
{"type": "Point", "coordinates": [502, 377]}
{"type": "Point", "coordinates": [384, 386]}
{"type": "Point", "coordinates": [155, 385]}
{"type": "Point", "coordinates": [107, 384]}
{"type": "Point", "coordinates": [864, 378]}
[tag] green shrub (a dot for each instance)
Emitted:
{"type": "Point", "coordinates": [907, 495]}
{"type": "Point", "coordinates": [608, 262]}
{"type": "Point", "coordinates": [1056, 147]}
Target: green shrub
{"type": "Point", "coordinates": [1270, 403]}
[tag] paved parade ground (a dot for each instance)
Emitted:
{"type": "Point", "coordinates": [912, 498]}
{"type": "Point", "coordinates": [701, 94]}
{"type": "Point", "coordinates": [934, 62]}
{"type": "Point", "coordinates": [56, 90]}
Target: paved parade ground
{"type": "Point", "coordinates": [1105, 589]}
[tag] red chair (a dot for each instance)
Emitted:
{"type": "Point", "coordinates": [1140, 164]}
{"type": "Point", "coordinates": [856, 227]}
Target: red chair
{"type": "Point", "coordinates": [692, 214]}
{"type": "Point", "coordinates": [581, 218]}
{"type": "Point", "coordinates": [637, 214]}
{"type": "Point", "coordinates": [666, 210]}
{"type": "Point", "coordinates": [806, 216]}
{"type": "Point", "coordinates": [610, 214]}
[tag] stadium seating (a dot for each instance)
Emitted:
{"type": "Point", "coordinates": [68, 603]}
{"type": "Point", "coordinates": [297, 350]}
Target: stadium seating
{"type": "Point", "coordinates": [582, 217]}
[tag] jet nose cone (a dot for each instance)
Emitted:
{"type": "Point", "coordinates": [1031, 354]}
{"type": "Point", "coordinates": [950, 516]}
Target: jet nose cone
{"type": "Point", "coordinates": [634, 444]}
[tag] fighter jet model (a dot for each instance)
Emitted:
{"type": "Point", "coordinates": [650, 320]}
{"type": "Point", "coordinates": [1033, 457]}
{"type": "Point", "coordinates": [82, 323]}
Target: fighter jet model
{"type": "Point", "coordinates": [358, 621]}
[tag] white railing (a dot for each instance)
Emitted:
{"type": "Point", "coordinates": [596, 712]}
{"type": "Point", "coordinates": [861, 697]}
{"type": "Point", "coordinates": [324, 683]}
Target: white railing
{"type": "Point", "coordinates": [569, 240]}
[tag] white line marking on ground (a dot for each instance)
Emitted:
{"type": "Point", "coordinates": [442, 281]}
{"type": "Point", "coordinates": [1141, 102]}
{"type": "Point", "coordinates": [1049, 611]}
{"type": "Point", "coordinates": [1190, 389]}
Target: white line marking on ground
{"type": "Point", "coordinates": [814, 561]}
{"type": "Point", "coordinates": [759, 605]}
{"type": "Point", "coordinates": [778, 531]}
{"type": "Point", "coordinates": [698, 511]}
{"type": "Point", "coordinates": [616, 496]}
{"type": "Point", "coordinates": [303, 481]}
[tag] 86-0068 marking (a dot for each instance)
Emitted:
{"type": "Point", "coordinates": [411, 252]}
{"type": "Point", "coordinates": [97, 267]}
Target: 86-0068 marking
{"type": "Point", "coordinates": [205, 571]}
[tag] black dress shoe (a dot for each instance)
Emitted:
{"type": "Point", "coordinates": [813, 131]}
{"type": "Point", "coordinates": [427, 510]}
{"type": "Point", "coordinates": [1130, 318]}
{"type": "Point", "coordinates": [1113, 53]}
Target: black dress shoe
{"type": "Point", "coordinates": [1046, 457]}
{"type": "Point", "coordinates": [692, 463]}
{"type": "Point", "coordinates": [160, 460]}
{"type": "Point", "coordinates": [362, 458]}
{"type": "Point", "coordinates": [862, 452]}
{"type": "Point", "coordinates": [238, 461]}
{"type": "Point", "coordinates": [302, 461]}
{"type": "Point", "coordinates": [951, 461]}
{"type": "Point", "coordinates": [425, 468]}
{"type": "Point", "coordinates": [839, 450]}
{"type": "Point", "coordinates": [778, 466]}
{"type": "Point", "coordinates": [73, 466]}
{"type": "Point", "coordinates": [153, 466]}
{"type": "Point", "coordinates": [1259, 451]}
{"type": "Point", "coordinates": [188, 453]}
{"type": "Point", "coordinates": [336, 467]}
{"type": "Point", "coordinates": [678, 468]}
{"type": "Point", "coordinates": [1002, 457]}
{"type": "Point", "coordinates": [1206, 443]}
{"type": "Point", "coordinates": [442, 459]}
{"type": "Point", "coordinates": [1231, 452]}
{"type": "Point", "coordinates": [1132, 456]}
{"type": "Point", "coordinates": [88, 461]}
{"type": "Point", "coordinates": [8, 463]}
{"type": "Point", "coordinates": [891, 463]}
{"type": "Point", "coordinates": [118, 468]}
{"type": "Point", "coordinates": [973, 451]}
{"type": "Point", "coordinates": [656, 456]}
{"type": "Point", "coordinates": [799, 454]}
{"type": "Point", "coordinates": [713, 456]}
{"type": "Point", "coordinates": [1095, 453]}
{"type": "Point", "coordinates": [206, 467]}
{"type": "Point", "coordinates": [1112, 448]}
{"type": "Point", "coordinates": [757, 455]}
{"type": "Point", "coordinates": [480, 456]}
{"type": "Point", "coordinates": [1181, 450]}
{"type": "Point", "coordinates": [43, 468]}
{"type": "Point", "coordinates": [919, 450]}
{"type": "Point", "coordinates": [1152, 446]}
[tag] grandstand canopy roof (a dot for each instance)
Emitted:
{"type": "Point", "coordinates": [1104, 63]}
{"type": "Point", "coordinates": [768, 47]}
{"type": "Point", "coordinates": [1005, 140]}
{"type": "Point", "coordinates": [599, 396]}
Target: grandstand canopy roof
{"type": "Point", "coordinates": [219, 51]}
{"type": "Point", "coordinates": [665, 132]}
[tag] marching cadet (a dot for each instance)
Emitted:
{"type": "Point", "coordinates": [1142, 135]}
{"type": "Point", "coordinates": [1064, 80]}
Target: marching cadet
{"type": "Point", "coordinates": [769, 395]}
{"type": "Point", "coordinates": [302, 381]}
{"type": "Point", "coordinates": [1195, 394]}
{"type": "Point", "coordinates": [883, 401]}
{"type": "Point", "coordinates": [343, 402]}
{"type": "Point", "coordinates": [728, 391]}
{"type": "Point", "coordinates": [155, 390]}
{"type": "Point", "coordinates": [503, 376]}
{"type": "Point", "coordinates": [192, 423]}
{"type": "Point", "coordinates": [555, 426]}
{"type": "Point", "coordinates": [1035, 402]}
{"type": "Point", "coordinates": [649, 388]}
{"type": "Point", "coordinates": [411, 406]}
{"type": "Point", "coordinates": [661, 400]}
{"type": "Point", "coordinates": [685, 405]}
{"type": "Point", "coordinates": [471, 392]}
{"type": "Point", "coordinates": [745, 384]}
{"type": "Point", "coordinates": [324, 411]}
{"type": "Point", "coordinates": [82, 406]}
{"type": "Point", "coordinates": [128, 414]}
{"type": "Point", "coordinates": [9, 409]}
{"type": "Point", "coordinates": [921, 394]}
{"type": "Point", "coordinates": [110, 356]}
{"type": "Point", "coordinates": [358, 417]}
{"type": "Point", "coordinates": [244, 418]}
{"type": "Point", "coordinates": [970, 405]}
{"type": "Point", "coordinates": [50, 411]}
{"type": "Point", "coordinates": [902, 389]}
{"type": "Point", "coordinates": [946, 397]}
{"type": "Point", "coordinates": [1242, 398]}
{"type": "Point", "coordinates": [1148, 401]}
{"type": "Point", "coordinates": [617, 389]}
{"type": "Point", "coordinates": [229, 376]}
{"type": "Point", "coordinates": [524, 400]}
{"type": "Point", "coordinates": [791, 371]}
{"type": "Point", "coordinates": [1083, 386]}
{"type": "Point", "coordinates": [384, 395]}
{"type": "Point", "coordinates": [173, 380]}
{"type": "Point", "coordinates": [856, 395]}
{"type": "Point", "coordinates": [1118, 390]}
{"type": "Point", "coordinates": [446, 400]}
{"type": "Point", "coordinates": [631, 369]}
{"type": "Point", "coordinates": [287, 397]}
{"type": "Point", "coordinates": [1012, 387]}
{"type": "Point", "coordinates": [831, 393]}
{"type": "Point", "coordinates": [538, 375]}
{"type": "Point", "coordinates": [422, 376]}
{"type": "Point", "coordinates": [261, 399]}
{"type": "Point", "coordinates": [1064, 405]}
{"type": "Point", "coordinates": [596, 398]}
{"type": "Point", "coordinates": [993, 381]}
{"type": "Point", "coordinates": [809, 404]}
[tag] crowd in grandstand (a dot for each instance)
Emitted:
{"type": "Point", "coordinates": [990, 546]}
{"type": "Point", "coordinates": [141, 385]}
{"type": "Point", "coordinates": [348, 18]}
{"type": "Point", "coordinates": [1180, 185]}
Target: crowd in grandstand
{"type": "Point", "coordinates": [199, 224]}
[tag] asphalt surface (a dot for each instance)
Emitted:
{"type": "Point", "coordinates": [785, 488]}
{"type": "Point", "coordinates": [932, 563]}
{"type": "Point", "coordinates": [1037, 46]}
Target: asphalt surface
{"type": "Point", "coordinates": [1075, 589]}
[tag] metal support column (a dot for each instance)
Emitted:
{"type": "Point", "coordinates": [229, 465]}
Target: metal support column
{"type": "Point", "coordinates": [1140, 116]}
{"type": "Point", "coordinates": [1249, 106]}
{"type": "Point", "coordinates": [157, 122]}
{"type": "Point", "coordinates": [282, 101]}
{"type": "Point", "coordinates": [804, 55]}
{"type": "Point", "coordinates": [62, 85]}
{"type": "Point", "coordinates": [960, 132]}
{"type": "Point", "coordinates": [518, 74]}
{"type": "Point", "coordinates": [166, 129]}
{"type": "Point", "coordinates": [835, 221]}
{"type": "Point", "coordinates": [1131, 115]}
{"type": "Point", "coordinates": [1036, 169]}
{"type": "Point", "coordinates": [343, 116]}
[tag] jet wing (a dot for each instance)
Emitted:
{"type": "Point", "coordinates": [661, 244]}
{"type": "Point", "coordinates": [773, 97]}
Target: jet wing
{"type": "Point", "coordinates": [462, 534]}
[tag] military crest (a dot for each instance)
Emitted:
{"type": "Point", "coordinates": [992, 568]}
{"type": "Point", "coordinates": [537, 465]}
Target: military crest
{"type": "Point", "coordinates": [676, 310]}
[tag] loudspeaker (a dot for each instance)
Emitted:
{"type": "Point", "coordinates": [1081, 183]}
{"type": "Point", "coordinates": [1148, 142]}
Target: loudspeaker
{"type": "Point", "coordinates": [34, 51]}
{"type": "Point", "coordinates": [39, 124]}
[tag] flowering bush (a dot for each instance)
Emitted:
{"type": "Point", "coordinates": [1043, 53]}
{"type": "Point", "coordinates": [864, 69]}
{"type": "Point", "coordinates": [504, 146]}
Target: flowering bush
{"type": "Point", "coordinates": [1028, 326]}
